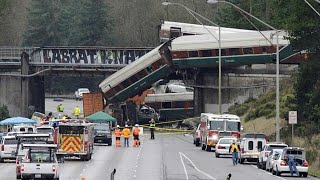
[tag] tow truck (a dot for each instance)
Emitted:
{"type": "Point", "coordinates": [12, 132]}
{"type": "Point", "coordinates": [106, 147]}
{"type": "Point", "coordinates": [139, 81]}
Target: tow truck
{"type": "Point", "coordinates": [40, 162]}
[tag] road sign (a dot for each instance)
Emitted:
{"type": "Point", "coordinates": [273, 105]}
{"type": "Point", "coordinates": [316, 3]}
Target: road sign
{"type": "Point", "coordinates": [293, 117]}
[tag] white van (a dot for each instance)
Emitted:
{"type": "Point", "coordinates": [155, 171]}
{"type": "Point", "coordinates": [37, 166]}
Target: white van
{"type": "Point", "coordinates": [24, 129]}
{"type": "Point", "coordinates": [249, 149]}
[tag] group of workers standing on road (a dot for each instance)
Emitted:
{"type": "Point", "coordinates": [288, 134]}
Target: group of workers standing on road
{"type": "Point", "coordinates": [76, 111]}
{"type": "Point", "coordinates": [135, 132]}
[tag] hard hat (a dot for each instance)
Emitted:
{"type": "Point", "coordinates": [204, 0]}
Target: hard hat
{"type": "Point", "coordinates": [118, 126]}
{"type": "Point", "coordinates": [137, 125]}
{"type": "Point", "coordinates": [126, 125]}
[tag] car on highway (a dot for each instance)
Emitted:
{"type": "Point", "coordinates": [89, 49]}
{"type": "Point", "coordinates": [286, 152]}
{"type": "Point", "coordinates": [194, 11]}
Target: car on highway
{"type": "Point", "coordinates": [196, 136]}
{"type": "Point", "coordinates": [223, 145]}
{"type": "Point", "coordinates": [40, 162]}
{"type": "Point", "coordinates": [249, 148]}
{"type": "Point", "coordinates": [102, 133]}
{"type": "Point", "coordinates": [78, 93]}
{"type": "Point", "coordinates": [264, 152]}
{"type": "Point", "coordinates": [280, 164]}
{"type": "Point", "coordinates": [8, 148]}
{"type": "Point", "coordinates": [274, 153]}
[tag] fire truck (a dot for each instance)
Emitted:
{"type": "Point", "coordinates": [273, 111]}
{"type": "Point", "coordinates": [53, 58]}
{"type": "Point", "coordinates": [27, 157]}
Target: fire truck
{"type": "Point", "coordinates": [75, 139]}
{"type": "Point", "coordinates": [215, 126]}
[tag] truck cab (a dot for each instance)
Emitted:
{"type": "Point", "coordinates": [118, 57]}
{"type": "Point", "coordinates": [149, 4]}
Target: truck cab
{"type": "Point", "coordinates": [40, 162]}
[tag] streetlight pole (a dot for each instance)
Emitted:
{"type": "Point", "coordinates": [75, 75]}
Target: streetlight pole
{"type": "Point", "coordinates": [219, 42]}
{"type": "Point", "coordinates": [277, 63]}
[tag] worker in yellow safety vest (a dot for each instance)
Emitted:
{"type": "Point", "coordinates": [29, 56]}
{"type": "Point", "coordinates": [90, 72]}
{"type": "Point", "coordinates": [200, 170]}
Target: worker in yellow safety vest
{"type": "Point", "coordinates": [76, 112]}
{"type": "Point", "coordinates": [152, 127]}
{"type": "Point", "coordinates": [60, 108]}
{"type": "Point", "coordinates": [136, 132]}
{"type": "Point", "coordinates": [234, 149]}
{"type": "Point", "coordinates": [117, 134]}
{"type": "Point", "coordinates": [126, 134]}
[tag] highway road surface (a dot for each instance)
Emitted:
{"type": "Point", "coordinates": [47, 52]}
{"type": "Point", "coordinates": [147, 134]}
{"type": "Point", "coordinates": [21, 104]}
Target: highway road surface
{"type": "Point", "coordinates": [168, 157]}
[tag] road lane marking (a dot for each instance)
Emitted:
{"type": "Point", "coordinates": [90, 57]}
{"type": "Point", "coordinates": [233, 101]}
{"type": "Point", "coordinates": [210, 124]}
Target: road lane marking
{"type": "Point", "coordinates": [184, 167]}
{"type": "Point", "coordinates": [195, 167]}
{"type": "Point", "coordinates": [268, 173]}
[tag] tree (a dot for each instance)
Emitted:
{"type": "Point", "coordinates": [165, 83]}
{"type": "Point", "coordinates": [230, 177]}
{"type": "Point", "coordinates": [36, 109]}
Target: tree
{"type": "Point", "coordinates": [4, 112]}
{"type": "Point", "coordinates": [89, 23]}
{"type": "Point", "coordinates": [44, 24]}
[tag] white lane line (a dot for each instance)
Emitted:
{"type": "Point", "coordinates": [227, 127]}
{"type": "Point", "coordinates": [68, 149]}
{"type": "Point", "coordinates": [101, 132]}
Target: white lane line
{"type": "Point", "coordinates": [268, 173]}
{"type": "Point", "coordinates": [195, 167]}
{"type": "Point", "coordinates": [184, 167]}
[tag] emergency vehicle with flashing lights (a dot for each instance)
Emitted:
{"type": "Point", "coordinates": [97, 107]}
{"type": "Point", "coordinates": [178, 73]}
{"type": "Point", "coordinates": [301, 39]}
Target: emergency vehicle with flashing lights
{"type": "Point", "coordinates": [215, 126]}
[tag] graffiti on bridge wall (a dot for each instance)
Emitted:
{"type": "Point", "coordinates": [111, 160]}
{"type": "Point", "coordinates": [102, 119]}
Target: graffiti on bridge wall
{"type": "Point", "coordinates": [90, 56]}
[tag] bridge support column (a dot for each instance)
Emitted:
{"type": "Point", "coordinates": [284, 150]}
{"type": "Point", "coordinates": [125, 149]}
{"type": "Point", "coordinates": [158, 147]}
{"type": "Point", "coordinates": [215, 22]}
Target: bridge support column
{"type": "Point", "coordinates": [198, 96]}
{"type": "Point", "coordinates": [22, 95]}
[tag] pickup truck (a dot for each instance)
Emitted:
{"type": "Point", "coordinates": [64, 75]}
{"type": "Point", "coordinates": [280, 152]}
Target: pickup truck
{"type": "Point", "coordinates": [79, 92]}
{"type": "Point", "coordinates": [40, 162]}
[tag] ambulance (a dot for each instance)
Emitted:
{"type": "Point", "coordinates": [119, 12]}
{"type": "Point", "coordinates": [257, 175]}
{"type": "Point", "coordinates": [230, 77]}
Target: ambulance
{"type": "Point", "coordinates": [75, 139]}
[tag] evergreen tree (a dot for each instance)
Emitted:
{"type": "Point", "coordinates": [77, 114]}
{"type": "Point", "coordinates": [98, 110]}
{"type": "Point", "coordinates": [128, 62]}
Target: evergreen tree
{"type": "Point", "coordinates": [43, 24]}
{"type": "Point", "coordinates": [90, 25]}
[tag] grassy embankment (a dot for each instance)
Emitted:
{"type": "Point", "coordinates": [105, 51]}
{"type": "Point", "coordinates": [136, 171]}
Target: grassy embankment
{"type": "Point", "coordinates": [258, 116]}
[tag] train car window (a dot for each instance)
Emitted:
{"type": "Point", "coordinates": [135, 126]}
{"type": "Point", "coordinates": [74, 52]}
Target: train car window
{"type": "Point", "coordinates": [234, 51]}
{"type": "Point", "coordinates": [264, 50]}
{"type": "Point", "coordinates": [223, 52]}
{"type": "Point", "coordinates": [193, 54]}
{"type": "Point", "coordinates": [166, 104]}
{"type": "Point", "coordinates": [149, 69]}
{"type": "Point", "coordinates": [187, 34]}
{"type": "Point", "coordinates": [247, 51]}
{"type": "Point", "coordinates": [175, 32]}
{"type": "Point", "coordinates": [206, 53]}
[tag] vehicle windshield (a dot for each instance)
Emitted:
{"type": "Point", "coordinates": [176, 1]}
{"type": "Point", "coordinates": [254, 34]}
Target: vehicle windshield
{"type": "Point", "coordinates": [84, 90]}
{"type": "Point", "coordinates": [233, 126]}
{"type": "Point", "coordinates": [71, 129]}
{"type": "Point", "coordinates": [270, 148]}
{"type": "Point", "coordinates": [217, 125]}
{"type": "Point", "coordinates": [101, 127]}
{"type": "Point", "coordinates": [44, 130]}
{"type": "Point", "coordinates": [226, 141]}
{"type": "Point", "coordinates": [296, 153]}
{"type": "Point", "coordinates": [37, 156]}
{"type": "Point", "coordinates": [10, 141]}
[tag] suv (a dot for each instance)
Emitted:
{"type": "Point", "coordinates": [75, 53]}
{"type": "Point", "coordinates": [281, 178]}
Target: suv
{"type": "Point", "coordinates": [249, 149]}
{"type": "Point", "coordinates": [8, 148]}
{"type": "Point", "coordinates": [102, 133]}
{"type": "Point", "coordinates": [280, 164]}
{"type": "Point", "coordinates": [265, 152]}
{"type": "Point", "coordinates": [196, 136]}
{"type": "Point", "coordinates": [78, 93]}
{"type": "Point", "coordinates": [40, 161]}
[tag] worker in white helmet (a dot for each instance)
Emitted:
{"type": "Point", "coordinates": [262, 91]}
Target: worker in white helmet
{"type": "Point", "coordinates": [117, 134]}
{"type": "Point", "coordinates": [136, 132]}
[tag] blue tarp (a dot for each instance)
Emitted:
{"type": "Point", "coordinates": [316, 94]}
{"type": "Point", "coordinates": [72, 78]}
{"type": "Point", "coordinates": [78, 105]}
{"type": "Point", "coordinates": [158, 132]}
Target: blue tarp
{"type": "Point", "coordinates": [17, 120]}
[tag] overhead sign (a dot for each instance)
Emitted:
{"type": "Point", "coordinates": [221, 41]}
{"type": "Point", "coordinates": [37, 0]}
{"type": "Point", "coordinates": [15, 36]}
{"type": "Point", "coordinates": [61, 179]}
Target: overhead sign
{"type": "Point", "coordinates": [293, 117]}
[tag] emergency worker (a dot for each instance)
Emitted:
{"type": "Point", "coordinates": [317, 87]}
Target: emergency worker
{"type": "Point", "coordinates": [76, 112]}
{"type": "Point", "coordinates": [152, 127]}
{"type": "Point", "coordinates": [136, 131]}
{"type": "Point", "coordinates": [117, 134]}
{"type": "Point", "coordinates": [126, 134]}
{"type": "Point", "coordinates": [60, 108]}
{"type": "Point", "coordinates": [234, 149]}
